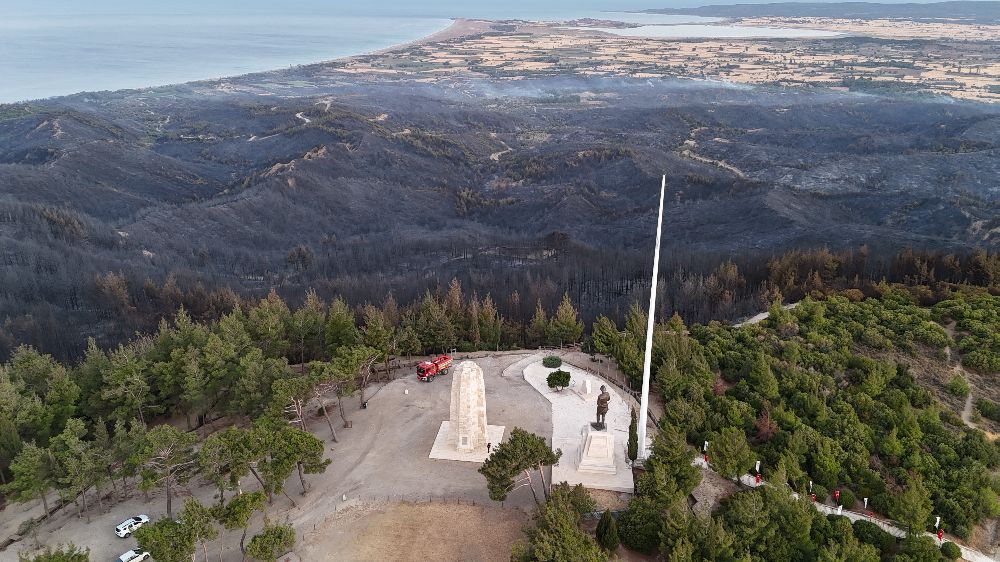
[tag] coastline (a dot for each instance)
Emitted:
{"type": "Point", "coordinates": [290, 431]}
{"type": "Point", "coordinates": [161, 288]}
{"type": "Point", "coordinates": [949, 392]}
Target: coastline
{"type": "Point", "coordinates": [518, 47]}
{"type": "Point", "coordinates": [456, 29]}
{"type": "Point", "coordinates": [460, 27]}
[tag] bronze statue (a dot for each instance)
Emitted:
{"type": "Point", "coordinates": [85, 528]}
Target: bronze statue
{"type": "Point", "coordinates": [602, 407]}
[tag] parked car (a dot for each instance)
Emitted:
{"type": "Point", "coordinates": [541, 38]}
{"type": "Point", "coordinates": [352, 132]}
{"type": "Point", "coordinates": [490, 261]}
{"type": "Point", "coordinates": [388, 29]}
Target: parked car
{"type": "Point", "coordinates": [126, 527]}
{"type": "Point", "coordinates": [133, 556]}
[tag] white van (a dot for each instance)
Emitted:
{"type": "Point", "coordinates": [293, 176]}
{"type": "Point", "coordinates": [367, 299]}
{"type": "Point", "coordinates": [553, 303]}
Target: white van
{"type": "Point", "coordinates": [126, 527]}
{"type": "Point", "coordinates": [133, 556]}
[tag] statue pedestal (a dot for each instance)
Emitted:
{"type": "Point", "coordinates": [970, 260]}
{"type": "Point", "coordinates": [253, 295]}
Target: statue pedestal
{"type": "Point", "coordinates": [597, 452]}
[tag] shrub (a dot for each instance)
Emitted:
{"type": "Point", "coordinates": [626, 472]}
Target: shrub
{"type": "Point", "coordinates": [958, 386]}
{"type": "Point", "coordinates": [552, 362]}
{"type": "Point", "coordinates": [271, 542]}
{"type": "Point", "coordinates": [988, 409]}
{"type": "Point", "coordinates": [558, 379]}
{"type": "Point", "coordinates": [639, 525]}
{"type": "Point", "coordinates": [68, 553]}
{"type": "Point", "coordinates": [840, 526]}
{"type": "Point", "coordinates": [870, 533]}
{"type": "Point", "coordinates": [847, 498]}
{"type": "Point", "coordinates": [556, 534]}
{"type": "Point", "coordinates": [607, 532]}
{"type": "Point", "coordinates": [577, 497]}
{"type": "Point", "coordinates": [821, 493]}
{"type": "Point", "coordinates": [919, 547]}
{"type": "Point", "coordinates": [27, 526]}
{"type": "Point", "coordinates": [951, 551]}
{"type": "Point", "coordinates": [853, 295]}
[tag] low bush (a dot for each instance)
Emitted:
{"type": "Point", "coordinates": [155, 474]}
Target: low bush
{"type": "Point", "coordinates": [847, 498]}
{"type": "Point", "coordinates": [988, 409]}
{"type": "Point", "coordinates": [639, 525]}
{"type": "Point", "coordinates": [951, 551]}
{"type": "Point", "coordinates": [552, 362]}
{"type": "Point", "coordinates": [870, 533]}
{"type": "Point", "coordinates": [821, 493]}
{"type": "Point", "coordinates": [558, 379]}
{"type": "Point", "coordinates": [958, 386]}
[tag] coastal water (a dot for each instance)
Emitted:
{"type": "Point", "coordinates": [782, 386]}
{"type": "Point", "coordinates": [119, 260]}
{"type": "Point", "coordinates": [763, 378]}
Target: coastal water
{"type": "Point", "coordinates": [44, 56]}
{"type": "Point", "coordinates": [51, 49]}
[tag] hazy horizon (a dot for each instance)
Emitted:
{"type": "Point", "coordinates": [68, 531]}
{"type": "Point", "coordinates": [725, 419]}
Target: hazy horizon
{"type": "Point", "coordinates": [59, 47]}
{"type": "Point", "coordinates": [427, 8]}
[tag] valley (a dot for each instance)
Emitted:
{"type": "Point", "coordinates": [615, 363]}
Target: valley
{"type": "Point", "coordinates": [362, 187]}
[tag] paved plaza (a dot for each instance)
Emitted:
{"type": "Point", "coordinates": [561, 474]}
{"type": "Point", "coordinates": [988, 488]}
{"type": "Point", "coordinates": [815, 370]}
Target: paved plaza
{"type": "Point", "coordinates": [572, 412]}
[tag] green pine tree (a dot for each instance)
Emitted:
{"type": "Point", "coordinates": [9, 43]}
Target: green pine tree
{"type": "Point", "coordinates": [538, 330]}
{"type": "Point", "coordinates": [633, 437]}
{"type": "Point", "coordinates": [607, 532]}
{"type": "Point", "coordinates": [565, 327]}
{"type": "Point", "coordinates": [271, 542]}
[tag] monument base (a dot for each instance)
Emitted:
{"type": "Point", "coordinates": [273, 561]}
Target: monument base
{"type": "Point", "coordinates": [597, 452]}
{"type": "Point", "coordinates": [598, 426]}
{"type": "Point", "coordinates": [585, 391]}
{"type": "Point", "coordinates": [442, 450]}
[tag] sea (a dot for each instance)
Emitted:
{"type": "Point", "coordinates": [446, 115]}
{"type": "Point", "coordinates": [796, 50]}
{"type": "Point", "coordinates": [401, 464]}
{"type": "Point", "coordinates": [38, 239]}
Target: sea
{"type": "Point", "coordinates": [59, 47]}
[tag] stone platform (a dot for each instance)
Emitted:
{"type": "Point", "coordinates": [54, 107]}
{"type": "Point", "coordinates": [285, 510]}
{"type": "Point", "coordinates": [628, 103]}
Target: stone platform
{"type": "Point", "coordinates": [572, 412]}
{"type": "Point", "coordinates": [597, 452]}
{"type": "Point", "coordinates": [442, 450]}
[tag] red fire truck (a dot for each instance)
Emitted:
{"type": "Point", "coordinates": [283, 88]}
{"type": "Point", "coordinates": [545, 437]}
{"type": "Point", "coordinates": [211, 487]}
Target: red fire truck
{"type": "Point", "coordinates": [427, 370]}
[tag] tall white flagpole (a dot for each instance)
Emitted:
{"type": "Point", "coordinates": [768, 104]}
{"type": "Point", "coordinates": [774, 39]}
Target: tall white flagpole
{"type": "Point", "coordinates": [650, 322]}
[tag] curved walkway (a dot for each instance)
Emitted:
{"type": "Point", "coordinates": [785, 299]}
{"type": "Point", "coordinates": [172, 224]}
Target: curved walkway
{"type": "Point", "coordinates": [572, 413]}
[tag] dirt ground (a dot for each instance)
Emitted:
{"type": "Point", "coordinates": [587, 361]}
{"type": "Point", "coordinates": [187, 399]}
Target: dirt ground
{"type": "Point", "coordinates": [406, 531]}
{"type": "Point", "coordinates": [606, 499]}
{"type": "Point", "coordinates": [383, 458]}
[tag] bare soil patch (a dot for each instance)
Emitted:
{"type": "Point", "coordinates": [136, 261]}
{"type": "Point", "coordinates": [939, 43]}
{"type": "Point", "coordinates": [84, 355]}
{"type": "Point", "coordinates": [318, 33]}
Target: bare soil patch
{"type": "Point", "coordinates": [417, 531]}
{"type": "Point", "coordinates": [606, 499]}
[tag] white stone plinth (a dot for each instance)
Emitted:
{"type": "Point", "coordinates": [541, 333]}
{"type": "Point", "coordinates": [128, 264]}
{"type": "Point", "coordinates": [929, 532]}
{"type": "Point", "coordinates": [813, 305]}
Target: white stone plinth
{"type": "Point", "coordinates": [585, 390]}
{"type": "Point", "coordinates": [443, 451]}
{"type": "Point", "coordinates": [465, 435]}
{"type": "Point", "coordinates": [597, 452]}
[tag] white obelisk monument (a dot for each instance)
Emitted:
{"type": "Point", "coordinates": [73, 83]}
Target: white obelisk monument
{"type": "Point", "coordinates": [467, 422]}
{"type": "Point", "coordinates": [465, 435]}
{"type": "Point", "coordinates": [650, 322]}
